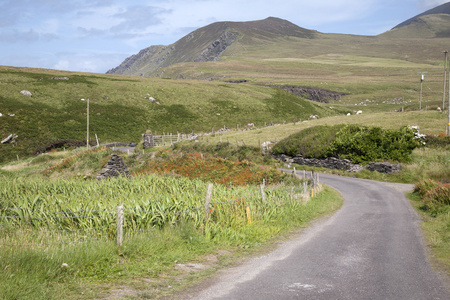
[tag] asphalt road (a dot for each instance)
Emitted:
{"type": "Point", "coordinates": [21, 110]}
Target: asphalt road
{"type": "Point", "coordinates": [370, 249]}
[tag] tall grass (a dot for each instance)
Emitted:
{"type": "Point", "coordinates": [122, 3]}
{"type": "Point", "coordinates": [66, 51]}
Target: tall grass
{"type": "Point", "coordinates": [58, 235]}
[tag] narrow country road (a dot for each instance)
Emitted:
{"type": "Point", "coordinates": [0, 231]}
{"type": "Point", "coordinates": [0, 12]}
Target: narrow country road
{"type": "Point", "coordinates": [370, 249]}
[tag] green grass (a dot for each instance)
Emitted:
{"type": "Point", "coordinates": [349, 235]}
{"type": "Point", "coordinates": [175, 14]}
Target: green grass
{"type": "Point", "coordinates": [119, 110]}
{"type": "Point", "coordinates": [429, 122]}
{"type": "Point", "coordinates": [436, 229]}
{"type": "Point", "coordinates": [164, 226]}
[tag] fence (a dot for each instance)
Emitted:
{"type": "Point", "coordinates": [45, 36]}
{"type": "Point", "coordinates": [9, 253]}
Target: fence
{"type": "Point", "coordinates": [151, 140]}
{"type": "Point", "coordinates": [168, 139]}
{"type": "Point", "coordinates": [113, 223]}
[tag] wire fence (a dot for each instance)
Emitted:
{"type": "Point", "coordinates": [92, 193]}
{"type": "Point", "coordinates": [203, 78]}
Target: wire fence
{"type": "Point", "coordinates": [82, 226]}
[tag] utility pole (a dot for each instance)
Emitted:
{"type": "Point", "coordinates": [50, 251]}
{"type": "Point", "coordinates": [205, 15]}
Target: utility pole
{"type": "Point", "coordinates": [448, 106]}
{"type": "Point", "coordinates": [445, 80]}
{"type": "Point", "coordinates": [422, 78]}
{"type": "Point", "coordinates": [87, 123]}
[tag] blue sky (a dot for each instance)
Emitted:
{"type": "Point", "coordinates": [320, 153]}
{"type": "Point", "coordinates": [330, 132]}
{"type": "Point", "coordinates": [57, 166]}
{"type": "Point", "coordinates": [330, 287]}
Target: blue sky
{"type": "Point", "coordinates": [97, 35]}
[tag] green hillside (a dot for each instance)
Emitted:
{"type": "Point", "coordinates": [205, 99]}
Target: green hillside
{"type": "Point", "coordinates": [226, 74]}
{"type": "Point", "coordinates": [120, 109]}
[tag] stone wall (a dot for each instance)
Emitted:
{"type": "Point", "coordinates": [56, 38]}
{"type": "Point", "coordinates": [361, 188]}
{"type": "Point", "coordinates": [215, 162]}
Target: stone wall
{"type": "Point", "coordinates": [340, 164]}
{"type": "Point", "coordinates": [148, 140]}
{"type": "Point", "coordinates": [114, 168]}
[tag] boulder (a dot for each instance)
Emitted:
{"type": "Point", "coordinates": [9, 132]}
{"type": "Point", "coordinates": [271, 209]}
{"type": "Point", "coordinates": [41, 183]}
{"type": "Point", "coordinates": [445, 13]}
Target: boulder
{"type": "Point", "coordinates": [383, 167]}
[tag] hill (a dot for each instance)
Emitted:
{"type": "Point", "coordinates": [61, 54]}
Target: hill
{"type": "Point", "coordinates": [443, 9]}
{"type": "Point", "coordinates": [122, 108]}
{"type": "Point", "coordinates": [207, 44]}
{"type": "Point", "coordinates": [275, 38]}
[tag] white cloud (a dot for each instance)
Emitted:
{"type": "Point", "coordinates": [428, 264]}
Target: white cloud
{"type": "Point", "coordinates": [94, 62]}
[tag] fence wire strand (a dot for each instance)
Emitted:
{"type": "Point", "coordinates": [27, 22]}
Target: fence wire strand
{"type": "Point", "coordinates": [103, 233]}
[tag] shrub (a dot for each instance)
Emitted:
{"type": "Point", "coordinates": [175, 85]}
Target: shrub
{"type": "Point", "coordinates": [435, 195]}
{"type": "Point", "coordinates": [310, 142]}
{"type": "Point", "coordinates": [215, 169]}
{"type": "Point", "coordinates": [360, 144]}
{"type": "Point", "coordinates": [439, 194]}
{"type": "Point", "coordinates": [437, 141]}
{"type": "Point", "coordinates": [424, 186]}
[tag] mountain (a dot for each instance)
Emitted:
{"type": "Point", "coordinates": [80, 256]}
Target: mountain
{"type": "Point", "coordinates": [434, 23]}
{"type": "Point", "coordinates": [208, 44]}
{"type": "Point", "coordinates": [443, 9]}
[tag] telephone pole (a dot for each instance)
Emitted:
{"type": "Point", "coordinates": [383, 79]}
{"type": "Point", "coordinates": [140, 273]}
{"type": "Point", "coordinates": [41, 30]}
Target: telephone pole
{"type": "Point", "coordinates": [445, 80]}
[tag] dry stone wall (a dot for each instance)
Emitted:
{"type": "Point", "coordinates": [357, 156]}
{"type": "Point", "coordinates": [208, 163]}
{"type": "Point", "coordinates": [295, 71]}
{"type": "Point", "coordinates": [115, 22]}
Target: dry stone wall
{"type": "Point", "coordinates": [340, 164]}
{"type": "Point", "coordinates": [114, 168]}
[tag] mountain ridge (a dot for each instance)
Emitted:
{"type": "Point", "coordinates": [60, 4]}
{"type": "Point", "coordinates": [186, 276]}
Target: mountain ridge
{"type": "Point", "coordinates": [441, 9]}
{"type": "Point", "coordinates": [271, 37]}
{"type": "Point", "coordinates": [211, 42]}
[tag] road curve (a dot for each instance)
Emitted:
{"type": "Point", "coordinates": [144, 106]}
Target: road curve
{"type": "Point", "coordinates": [370, 249]}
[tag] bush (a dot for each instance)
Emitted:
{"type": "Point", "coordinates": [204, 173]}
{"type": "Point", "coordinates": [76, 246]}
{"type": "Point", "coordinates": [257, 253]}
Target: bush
{"type": "Point", "coordinates": [212, 169]}
{"type": "Point", "coordinates": [435, 195]}
{"type": "Point", "coordinates": [360, 144]}
{"type": "Point", "coordinates": [309, 143]}
{"type": "Point", "coordinates": [437, 141]}
{"type": "Point", "coordinates": [440, 194]}
{"type": "Point", "coordinates": [424, 186]}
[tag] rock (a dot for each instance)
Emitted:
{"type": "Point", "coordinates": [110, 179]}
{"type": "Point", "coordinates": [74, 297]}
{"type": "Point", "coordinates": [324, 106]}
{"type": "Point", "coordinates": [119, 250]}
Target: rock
{"type": "Point", "coordinates": [313, 94]}
{"type": "Point", "coordinates": [26, 93]}
{"type": "Point", "coordinates": [114, 168]}
{"type": "Point", "coordinates": [340, 164]}
{"type": "Point", "coordinates": [61, 78]}
{"type": "Point", "coordinates": [384, 167]}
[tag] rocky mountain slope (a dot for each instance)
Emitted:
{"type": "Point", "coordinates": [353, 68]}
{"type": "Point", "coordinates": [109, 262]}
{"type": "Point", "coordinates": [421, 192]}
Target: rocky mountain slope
{"type": "Point", "coordinates": [208, 44]}
{"type": "Point", "coordinates": [274, 38]}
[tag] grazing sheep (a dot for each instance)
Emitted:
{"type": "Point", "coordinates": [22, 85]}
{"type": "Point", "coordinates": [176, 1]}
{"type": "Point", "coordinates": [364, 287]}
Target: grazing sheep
{"type": "Point", "coordinates": [26, 93]}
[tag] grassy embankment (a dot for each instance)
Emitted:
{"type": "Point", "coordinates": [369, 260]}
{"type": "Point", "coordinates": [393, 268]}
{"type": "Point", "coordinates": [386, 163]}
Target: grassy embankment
{"type": "Point", "coordinates": [432, 200]}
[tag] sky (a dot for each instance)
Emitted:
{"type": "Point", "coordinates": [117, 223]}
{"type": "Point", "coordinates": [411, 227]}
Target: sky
{"type": "Point", "coordinates": [97, 35]}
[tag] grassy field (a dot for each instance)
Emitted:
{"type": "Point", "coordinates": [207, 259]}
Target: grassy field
{"type": "Point", "coordinates": [429, 122]}
{"type": "Point", "coordinates": [58, 233]}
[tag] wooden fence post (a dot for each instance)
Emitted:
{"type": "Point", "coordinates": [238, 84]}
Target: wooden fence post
{"type": "Point", "coordinates": [119, 225]}
{"type": "Point", "coordinates": [208, 199]}
{"type": "Point", "coordinates": [263, 194]}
